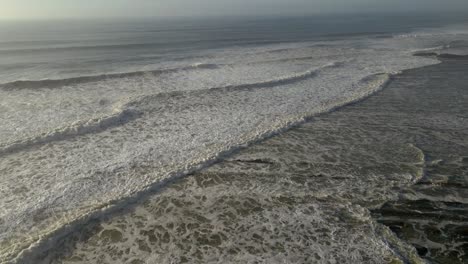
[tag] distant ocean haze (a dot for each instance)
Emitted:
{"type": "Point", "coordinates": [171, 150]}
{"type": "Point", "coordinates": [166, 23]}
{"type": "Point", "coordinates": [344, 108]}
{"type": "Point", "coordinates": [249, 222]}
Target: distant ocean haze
{"type": "Point", "coordinates": [64, 49]}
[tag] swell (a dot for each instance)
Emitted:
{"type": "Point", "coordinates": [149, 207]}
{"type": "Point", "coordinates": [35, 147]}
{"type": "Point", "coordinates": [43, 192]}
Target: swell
{"type": "Point", "coordinates": [95, 125]}
{"type": "Point", "coordinates": [56, 83]}
{"type": "Point", "coordinates": [49, 240]}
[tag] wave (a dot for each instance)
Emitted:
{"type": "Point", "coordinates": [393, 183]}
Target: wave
{"type": "Point", "coordinates": [368, 86]}
{"type": "Point", "coordinates": [286, 79]}
{"type": "Point", "coordinates": [418, 35]}
{"type": "Point", "coordinates": [127, 112]}
{"type": "Point", "coordinates": [95, 125]}
{"type": "Point", "coordinates": [431, 51]}
{"type": "Point", "coordinates": [64, 47]}
{"type": "Point", "coordinates": [56, 83]}
{"type": "Point", "coordinates": [452, 56]}
{"type": "Point", "coordinates": [284, 60]}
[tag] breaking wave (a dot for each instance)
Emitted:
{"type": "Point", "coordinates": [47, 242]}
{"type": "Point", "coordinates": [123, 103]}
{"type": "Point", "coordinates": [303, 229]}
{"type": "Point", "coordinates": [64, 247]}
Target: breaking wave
{"type": "Point", "coordinates": [127, 112]}
{"type": "Point", "coordinates": [78, 128]}
{"type": "Point", "coordinates": [56, 83]}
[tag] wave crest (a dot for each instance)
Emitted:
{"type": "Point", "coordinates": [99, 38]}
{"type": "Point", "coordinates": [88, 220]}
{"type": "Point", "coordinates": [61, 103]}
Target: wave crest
{"type": "Point", "coordinates": [118, 118]}
{"type": "Point", "coordinates": [56, 83]}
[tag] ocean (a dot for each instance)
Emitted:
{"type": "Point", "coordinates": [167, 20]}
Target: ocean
{"type": "Point", "coordinates": [97, 116]}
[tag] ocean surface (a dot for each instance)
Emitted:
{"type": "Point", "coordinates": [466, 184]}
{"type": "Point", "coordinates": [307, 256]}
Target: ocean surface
{"type": "Point", "coordinates": [314, 193]}
{"type": "Point", "coordinates": [97, 114]}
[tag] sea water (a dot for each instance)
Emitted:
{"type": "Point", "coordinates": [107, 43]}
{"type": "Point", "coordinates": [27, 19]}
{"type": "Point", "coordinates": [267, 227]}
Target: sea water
{"type": "Point", "coordinates": [95, 114]}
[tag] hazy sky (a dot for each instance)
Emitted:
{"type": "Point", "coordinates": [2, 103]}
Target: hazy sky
{"type": "Point", "coordinates": [32, 9]}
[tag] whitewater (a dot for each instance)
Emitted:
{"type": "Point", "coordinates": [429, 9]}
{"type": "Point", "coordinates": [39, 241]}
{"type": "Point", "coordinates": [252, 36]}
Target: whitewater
{"type": "Point", "coordinates": [73, 148]}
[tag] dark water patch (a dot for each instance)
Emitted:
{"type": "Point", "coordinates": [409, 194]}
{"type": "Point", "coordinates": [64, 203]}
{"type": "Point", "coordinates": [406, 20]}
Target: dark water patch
{"type": "Point", "coordinates": [453, 56]}
{"type": "Point", "coordinates": [258, 161]}
{"type": "Point", "coordinates": [425, 54]}
{"type": "Point", "coordinates": [433, 214]}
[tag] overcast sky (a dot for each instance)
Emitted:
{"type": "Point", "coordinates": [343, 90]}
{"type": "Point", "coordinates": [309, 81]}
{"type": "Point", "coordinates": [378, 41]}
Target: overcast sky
{"type": "Point", "coordinates": [33, 9]}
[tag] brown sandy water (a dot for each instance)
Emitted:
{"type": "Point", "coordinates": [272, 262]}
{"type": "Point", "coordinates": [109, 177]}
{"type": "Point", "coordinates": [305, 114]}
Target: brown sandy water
{"type": "Point", "coordinates": [318, 193]}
